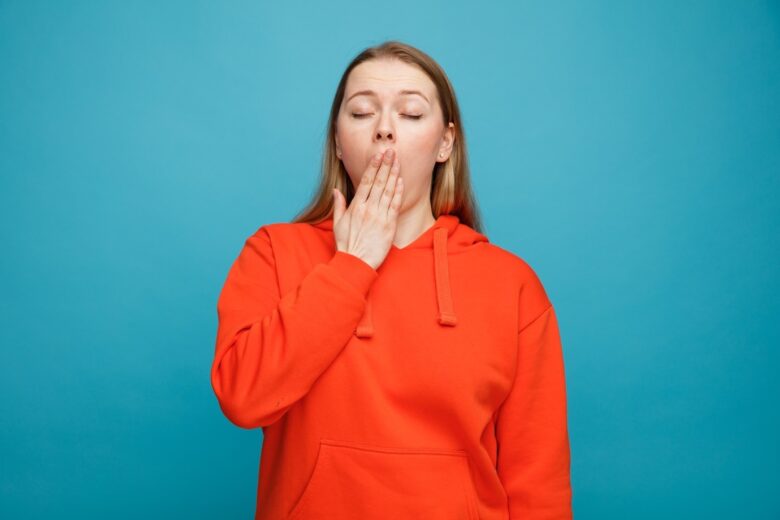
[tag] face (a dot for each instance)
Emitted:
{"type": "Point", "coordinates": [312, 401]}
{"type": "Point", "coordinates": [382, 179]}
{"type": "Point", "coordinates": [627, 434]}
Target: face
{"type": "Point", "coordinates": [409, 123]}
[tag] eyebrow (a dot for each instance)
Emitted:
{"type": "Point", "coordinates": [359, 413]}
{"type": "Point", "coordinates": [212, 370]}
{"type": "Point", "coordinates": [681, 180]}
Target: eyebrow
{"type": "Point", "coordinates": [401, 92]}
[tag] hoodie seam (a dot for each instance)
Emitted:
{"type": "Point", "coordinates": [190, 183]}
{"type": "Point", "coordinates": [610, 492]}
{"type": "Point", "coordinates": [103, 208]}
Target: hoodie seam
{"type": "Point", "coordinates": [497, 412]}
{"type": "Point", "coordinates": [547, 308]}
{"type": "Point", "coordinates": [264, 229]}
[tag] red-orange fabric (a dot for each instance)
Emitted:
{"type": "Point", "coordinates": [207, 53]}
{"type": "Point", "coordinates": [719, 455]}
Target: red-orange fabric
{"type": "Point", "coordinates": [430, 388]}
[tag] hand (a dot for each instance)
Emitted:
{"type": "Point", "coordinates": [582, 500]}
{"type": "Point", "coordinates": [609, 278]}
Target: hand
{"type": "Point", "coordinates": [367, 228]}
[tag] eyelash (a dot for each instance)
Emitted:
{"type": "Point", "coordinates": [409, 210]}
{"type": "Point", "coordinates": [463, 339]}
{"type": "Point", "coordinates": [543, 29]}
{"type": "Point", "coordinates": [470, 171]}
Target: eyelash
{"type": "Point", "coordinates": [361, 116]}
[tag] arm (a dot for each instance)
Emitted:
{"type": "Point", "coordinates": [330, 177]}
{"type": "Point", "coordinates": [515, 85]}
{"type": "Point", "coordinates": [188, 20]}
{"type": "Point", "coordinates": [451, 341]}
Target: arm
{"type": "Point", "coordinates": [531, 427]}
{"type": "Point", "coordinates": [271, 348]}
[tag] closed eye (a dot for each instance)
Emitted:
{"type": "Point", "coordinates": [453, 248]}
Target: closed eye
{"type": "Point", "coordinates": [410, 116]}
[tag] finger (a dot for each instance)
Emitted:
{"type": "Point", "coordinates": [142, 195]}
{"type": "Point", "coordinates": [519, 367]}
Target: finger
{"type": "Point", "coordinates": [378, 186]}
{"type": "Point", "coordinates": [364, 186]}
{"type": "Point", "coordinates": [395, 203]}
{"type": "Point", "coordinates": [389, 191]}
{"type": "Point", "coordinates": [338, 205]}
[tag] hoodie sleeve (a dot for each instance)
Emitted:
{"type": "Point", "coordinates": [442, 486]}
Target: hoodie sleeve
{"type": "Point", "coordinates": [271, 347]}
{"type": "Point", "coordinates": [531, 426]}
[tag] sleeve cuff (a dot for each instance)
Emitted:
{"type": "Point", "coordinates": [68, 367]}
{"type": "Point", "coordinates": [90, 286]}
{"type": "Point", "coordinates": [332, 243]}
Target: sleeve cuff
{"type": "Point", "coordinates": [354, 270]}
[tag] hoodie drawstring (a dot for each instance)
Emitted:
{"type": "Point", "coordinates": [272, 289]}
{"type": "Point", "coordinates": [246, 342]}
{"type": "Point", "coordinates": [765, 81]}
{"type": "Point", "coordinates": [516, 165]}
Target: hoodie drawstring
{"type": "Point", "coordinates": [446, 312]}
{"type": "Point", "coordinates": [442, 276]}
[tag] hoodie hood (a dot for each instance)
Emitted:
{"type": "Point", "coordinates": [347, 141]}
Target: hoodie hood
{"type": "Point", "coordinates": [447, 235]}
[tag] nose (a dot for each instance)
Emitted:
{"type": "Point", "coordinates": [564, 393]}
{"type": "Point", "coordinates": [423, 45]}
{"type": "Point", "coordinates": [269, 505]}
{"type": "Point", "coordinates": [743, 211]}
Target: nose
{"type": "Point", "coordinates": [384, 129]}
{"type": "Point", "coordinates": [384, 135]}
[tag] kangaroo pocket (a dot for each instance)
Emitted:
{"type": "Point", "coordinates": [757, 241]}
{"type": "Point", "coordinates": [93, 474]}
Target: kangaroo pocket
{"type": "Point", "coordinates": [353, 480]}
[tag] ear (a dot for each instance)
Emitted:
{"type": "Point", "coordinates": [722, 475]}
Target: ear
{"type": "Point", "coordinates": [447, 142]}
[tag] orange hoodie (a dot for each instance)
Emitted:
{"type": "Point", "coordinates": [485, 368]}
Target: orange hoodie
{"type": "Point", "coordinates": [430, 388]}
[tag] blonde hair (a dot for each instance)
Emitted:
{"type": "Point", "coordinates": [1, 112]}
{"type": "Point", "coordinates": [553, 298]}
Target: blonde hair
{"type": "Point", "coordinates": [451, 191]}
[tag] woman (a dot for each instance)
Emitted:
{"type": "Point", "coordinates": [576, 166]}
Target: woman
{"type": "Point", "coordinates": [400, 365]}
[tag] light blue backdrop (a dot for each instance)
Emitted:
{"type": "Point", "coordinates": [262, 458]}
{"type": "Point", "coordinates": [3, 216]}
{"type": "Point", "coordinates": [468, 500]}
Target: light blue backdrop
{"type": "Point", "coordinates": [629, 152]}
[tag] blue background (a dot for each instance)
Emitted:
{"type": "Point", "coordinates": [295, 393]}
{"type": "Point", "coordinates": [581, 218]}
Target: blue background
{"type": "Point", "coordinates": [629, 151]}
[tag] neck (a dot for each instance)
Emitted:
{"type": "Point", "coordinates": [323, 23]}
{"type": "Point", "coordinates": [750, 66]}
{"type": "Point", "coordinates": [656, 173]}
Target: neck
{"type": "Point", "coordinates": [412, 223]}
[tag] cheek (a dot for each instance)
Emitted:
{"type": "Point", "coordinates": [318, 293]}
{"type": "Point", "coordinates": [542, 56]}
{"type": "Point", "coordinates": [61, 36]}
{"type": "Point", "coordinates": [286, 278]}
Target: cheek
{"type": "Point", "coordinates": [354, 148]}
{"type": "Point", "coordinates": [350, 138]}
{"type": "Point", "coordinates": [422, 140]}
{"type": "Point", "coordinates": [417, 159]}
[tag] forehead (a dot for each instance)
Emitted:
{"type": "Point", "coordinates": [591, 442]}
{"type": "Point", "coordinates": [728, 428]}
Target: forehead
{"type": "Point", "coordinates": [388, 77]}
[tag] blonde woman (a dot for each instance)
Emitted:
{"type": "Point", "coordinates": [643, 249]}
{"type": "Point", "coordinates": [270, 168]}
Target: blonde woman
{"type": "Point", "coordinates": [400, 365]}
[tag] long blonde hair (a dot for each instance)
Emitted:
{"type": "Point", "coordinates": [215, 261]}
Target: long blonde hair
{"type": "Point", "coordinates": [451, 191]}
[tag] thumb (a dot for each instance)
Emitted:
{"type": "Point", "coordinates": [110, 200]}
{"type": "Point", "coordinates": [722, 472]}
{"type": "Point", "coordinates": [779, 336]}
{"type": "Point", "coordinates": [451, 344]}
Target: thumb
{"type": "Point", "coordinates": [338, 205]}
